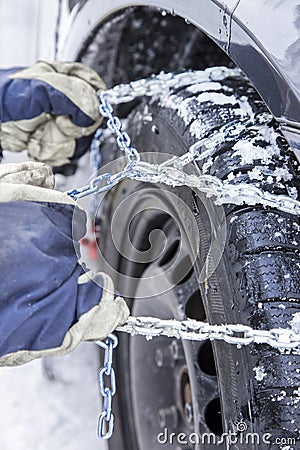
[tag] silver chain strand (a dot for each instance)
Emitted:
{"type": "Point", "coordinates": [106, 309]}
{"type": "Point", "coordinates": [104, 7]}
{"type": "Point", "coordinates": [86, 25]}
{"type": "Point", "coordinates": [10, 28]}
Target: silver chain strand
{"type": "Point", "coordinates": [171, 172]}
{"type": "Point", "coordinates": [96, 157]}
{"type": "Point", "coordinates": [95, 163]}
{"type": "Point", "coordinates": [162, 82]}
{"type": "Point", "coordinates": [194, 330]}
{"type": "Point", "coordinates": [107, 416]}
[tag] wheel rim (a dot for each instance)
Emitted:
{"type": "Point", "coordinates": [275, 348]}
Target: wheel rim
{"type": "Point", "coordinates": [174, 384]}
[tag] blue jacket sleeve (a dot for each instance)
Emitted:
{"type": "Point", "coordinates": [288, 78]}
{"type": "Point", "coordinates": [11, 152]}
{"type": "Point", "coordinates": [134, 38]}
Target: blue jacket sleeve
{"type": "Point", "coordinates": [40, 298]}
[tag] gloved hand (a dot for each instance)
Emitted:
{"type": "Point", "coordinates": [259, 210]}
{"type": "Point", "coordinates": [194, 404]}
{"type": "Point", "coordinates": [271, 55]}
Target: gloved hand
{"type": "Point", "coordinates": [50, 109]}
{"type": "Point", "coordinates": [48, 303]}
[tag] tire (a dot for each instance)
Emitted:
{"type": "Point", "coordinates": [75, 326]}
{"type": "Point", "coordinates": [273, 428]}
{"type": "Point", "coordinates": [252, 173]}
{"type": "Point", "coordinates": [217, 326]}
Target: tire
{"type": "Point", "coordinates": [256, 282]}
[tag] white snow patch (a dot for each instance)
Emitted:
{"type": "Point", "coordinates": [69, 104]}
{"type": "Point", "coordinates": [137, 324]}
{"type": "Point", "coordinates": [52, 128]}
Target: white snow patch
{"type": "Point", "coordinates": [198, 129]}
{"type": "Point", "coordinates": [249, 152]}
{"type": "Point", "coordinates": [207, 165]}
{"type": "Point", "coordinates": [267, 134]}
{"type": "Point", "coordinates": [297, 391]}
{"type": "Point", "coordinates": [282, 173]}
{"type": "Point", "coordinates": [296, 399]}
{"type": "Point", "coordinates": [201, 87]}
{"type": "Point", "coordinates": [282, 396]}
{"type": "Point", "coordinates": [217, 98]}
{"type": "Point", "coordinates": [187, 111]}
{"type": "Point", "coordinates": [170, 101]}
{"type": "Point", "coordinates": [233, 219]}
{"type": "Point", "coordinates": [147, 116]}
{"type": "Point", "coordinates": [295, 323]}
{"type": "Point", "coordinates": [293, 193]}
{"type": "Point", "coordinates": [59, 413]}
{"type": "Point", "coordinates": [260, 373]}
{"type": "Point", "coordinates": [245, 107]}
{"type": "Point", "coordinates": [278, 234]}
{"type": "Point", "coordinates": [230, 176]}
{"type": "Point", "coordinates": [281, 306]}
{"type": "Point", "coordinates": [255, 174]}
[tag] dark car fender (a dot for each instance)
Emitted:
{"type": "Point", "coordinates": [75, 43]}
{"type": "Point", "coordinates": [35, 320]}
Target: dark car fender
{"type": "Point", "coordinates": [261, 36]}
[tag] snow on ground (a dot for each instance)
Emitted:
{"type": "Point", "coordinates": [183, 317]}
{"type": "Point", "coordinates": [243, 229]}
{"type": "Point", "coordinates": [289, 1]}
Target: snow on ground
{"type": "Point", "coordinates": [57, 411]}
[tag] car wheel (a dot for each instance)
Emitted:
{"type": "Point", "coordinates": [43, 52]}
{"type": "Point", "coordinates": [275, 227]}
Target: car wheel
{"type": "Point", "coordinates": [174, 254]}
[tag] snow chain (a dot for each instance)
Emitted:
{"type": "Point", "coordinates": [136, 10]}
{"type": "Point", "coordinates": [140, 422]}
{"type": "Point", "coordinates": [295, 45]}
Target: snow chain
{"type": "Point", "coordinates": [194, 330]}
{"type": "Point", "coordinates": [171, 173]}
{"type": "Point", "coordinates": [107, 392]}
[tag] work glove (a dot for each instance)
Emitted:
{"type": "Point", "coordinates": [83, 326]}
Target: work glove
{"type": "Point", "coordinates": [48, 303]}
{"type": "Point", "coordinates": [50, 109]}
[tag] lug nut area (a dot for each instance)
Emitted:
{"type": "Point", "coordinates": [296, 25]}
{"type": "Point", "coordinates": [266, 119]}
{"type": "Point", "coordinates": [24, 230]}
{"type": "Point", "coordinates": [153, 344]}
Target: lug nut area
{"type": "Point", "coordinates": [168, 356]}
{"type": "Point", "coordinates": [185, 399]}
{"type": "Point", "coordinates": [168, 417]}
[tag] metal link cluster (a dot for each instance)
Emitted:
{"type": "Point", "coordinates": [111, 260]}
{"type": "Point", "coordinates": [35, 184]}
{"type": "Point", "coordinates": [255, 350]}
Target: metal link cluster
{"type": "Point", "coordinates": [157, 84]}
{"type": "Point", "coordinates": [115, 126]}
{"type": "Point", "coordinates": [107, 416]}
{"type": "Point", "coordinates": [193, 330]}
{"type": "Point", "coordinates": [107, 181]}
{"type": "Point", "coordinates": [96, 157]}
{"type": "Point", "coordinates": [171, 172]}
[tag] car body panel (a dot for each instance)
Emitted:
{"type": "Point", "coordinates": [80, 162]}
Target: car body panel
{"type": "Point", "coordinates": [261, 36]}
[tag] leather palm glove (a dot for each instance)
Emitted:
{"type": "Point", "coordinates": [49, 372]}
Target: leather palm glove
{"type": "Point", "coordinates": [50, 109]}
{"type": "Point", "coordinates": [48, 303]}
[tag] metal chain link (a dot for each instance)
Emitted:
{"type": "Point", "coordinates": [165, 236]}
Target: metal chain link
{"type": "Point", "coordinates": [95, 163]}
{"type": "Point", "coordinates": [107, 181]}
{"type": "Point", "coordinates": [96, 157]}
{"type": "Point", "coordinates": [115, 126]}
{"type": "Point", "coordinates": [162, 82]}
{"type": "Point", "coordinates": [171, 172]}
{"type": "Point", "coordinates": [107, 416]}
{"type": "Point", "coordinates": [194, 330]}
